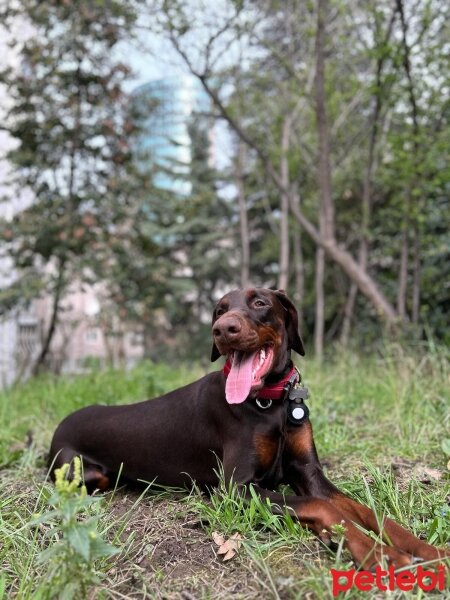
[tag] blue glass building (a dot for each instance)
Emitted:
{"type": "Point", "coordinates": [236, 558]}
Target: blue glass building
{"type": "Point", "coordinates": [166, 109]}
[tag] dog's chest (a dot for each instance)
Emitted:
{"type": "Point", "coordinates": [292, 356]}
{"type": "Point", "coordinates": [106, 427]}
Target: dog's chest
{"type": "Point", "coordinates": [269, 448]}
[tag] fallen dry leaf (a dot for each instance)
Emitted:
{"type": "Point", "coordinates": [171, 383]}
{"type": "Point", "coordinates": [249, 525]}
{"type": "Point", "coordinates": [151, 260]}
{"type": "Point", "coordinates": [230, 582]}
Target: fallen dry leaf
{"type": "Point", "coordinates": [218, 538]}
{"type": "Point", "coordinates": [227, 548]}
{"type": "Point", "coordinates": [429, 473]}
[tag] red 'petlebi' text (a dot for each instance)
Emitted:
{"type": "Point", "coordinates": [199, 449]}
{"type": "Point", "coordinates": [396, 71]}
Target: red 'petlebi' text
{"type": "Point", "coordinates": [389, 580]}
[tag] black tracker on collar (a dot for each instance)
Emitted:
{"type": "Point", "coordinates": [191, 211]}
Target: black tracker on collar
{"type": "Point", "coordinates": [297, 411]}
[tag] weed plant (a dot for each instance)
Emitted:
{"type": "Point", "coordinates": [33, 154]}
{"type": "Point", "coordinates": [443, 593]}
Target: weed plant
{"type": "Point", "coordinates": [75, 545]}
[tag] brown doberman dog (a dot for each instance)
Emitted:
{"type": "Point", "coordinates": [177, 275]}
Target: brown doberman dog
{"type": "Point", "coordinates": [251, 415]}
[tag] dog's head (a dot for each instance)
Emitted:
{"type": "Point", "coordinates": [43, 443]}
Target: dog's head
{"type": "Point", "coordinates": [256, 329]}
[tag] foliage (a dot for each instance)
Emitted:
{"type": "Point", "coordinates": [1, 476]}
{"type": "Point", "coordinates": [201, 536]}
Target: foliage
{"type": "Point", "coordinates": [72, 154]}
{"type": "Point", "coordinates": [387, 114]}
{"type": "Point", "coordinates": [75, 544]}
{"type": "Point", "coordinates": [165, 256]}
{"type": "Point", "coordinates": [171, 258]}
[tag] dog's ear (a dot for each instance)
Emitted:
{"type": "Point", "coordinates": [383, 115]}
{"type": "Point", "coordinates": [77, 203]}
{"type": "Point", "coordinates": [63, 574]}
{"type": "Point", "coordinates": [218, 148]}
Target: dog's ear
{"type": "Point", "coordinates": [215, 354]}
{"type": "Point", "coordinates": [291, 320]}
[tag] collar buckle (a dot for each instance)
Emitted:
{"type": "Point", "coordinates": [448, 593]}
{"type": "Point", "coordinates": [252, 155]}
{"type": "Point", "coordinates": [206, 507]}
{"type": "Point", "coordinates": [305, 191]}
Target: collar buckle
{"type": "Point", "coordinates": [298, 395]}
{"type": "Point", "coordinates": [263, 403]}
{"type": "Point", "coordinates": [290, 384]}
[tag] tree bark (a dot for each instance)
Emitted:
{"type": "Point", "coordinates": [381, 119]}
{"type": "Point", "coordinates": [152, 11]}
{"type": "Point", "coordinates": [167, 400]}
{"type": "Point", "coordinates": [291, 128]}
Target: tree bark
{"type": "Point", "coordinates": [349, 307]}
{"type": "Point", "coordinates": [283, 277]}
{"type": "Point", "coordinates": [319, 311]}
{"type": "Point", "coordinates": [366, 205]}
{"type": "Point", "coordinates": [324, 170]}
{"type": "Point", "coordinates": [326, 218]}
{"type": "Point", "coordinates": [243, 216]}
{"type": "Point", "coordinates": [417, 272]}
{"type": "Point", "coordinates": [299, 268]}
{"type": "Point", "coordinates": [59, 287]}
{"type": "Point", "coordinates": [402, 282]}
{"type": "Point", "coordinates": [410, 217]}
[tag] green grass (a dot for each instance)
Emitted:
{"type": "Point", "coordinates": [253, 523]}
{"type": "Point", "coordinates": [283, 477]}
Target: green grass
{"type": "Point", "coordinates": [379, 425]}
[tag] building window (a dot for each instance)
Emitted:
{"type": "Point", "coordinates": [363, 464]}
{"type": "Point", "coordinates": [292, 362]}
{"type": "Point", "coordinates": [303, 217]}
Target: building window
{"type": "Point", "coordinates": [92, 336]}
{"type": "Point", "coordinates": [136, 338]}
{"type": "Point", "coordinates": [28, 338]}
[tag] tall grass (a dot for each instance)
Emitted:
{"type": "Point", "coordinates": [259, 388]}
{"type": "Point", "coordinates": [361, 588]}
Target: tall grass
{"type": "Point", "coordinates": [34, 408]}
{"type": "Point", "coordinates": [379, 423]}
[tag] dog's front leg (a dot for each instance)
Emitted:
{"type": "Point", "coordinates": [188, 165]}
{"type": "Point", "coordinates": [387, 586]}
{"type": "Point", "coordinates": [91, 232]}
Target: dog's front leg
{"type": "Point", "coordinates": [313, 508]}
{"type": "Point", "coordinates": [305, 475]}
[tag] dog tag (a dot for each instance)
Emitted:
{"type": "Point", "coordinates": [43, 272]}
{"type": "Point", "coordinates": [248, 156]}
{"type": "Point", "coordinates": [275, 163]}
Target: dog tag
{"type": "Point", "coordinates": [297, 412]}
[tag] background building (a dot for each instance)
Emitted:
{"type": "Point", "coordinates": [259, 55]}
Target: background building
{"type": "Point", "coordinates": [88, 332]}
{"type": "Point", "coordinates": [19, 328]}
{"type": "Point", "coordinates": [166, 109]}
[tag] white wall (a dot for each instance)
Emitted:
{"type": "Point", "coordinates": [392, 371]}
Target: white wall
{"type": "Point", "coordinates": [11, 202]}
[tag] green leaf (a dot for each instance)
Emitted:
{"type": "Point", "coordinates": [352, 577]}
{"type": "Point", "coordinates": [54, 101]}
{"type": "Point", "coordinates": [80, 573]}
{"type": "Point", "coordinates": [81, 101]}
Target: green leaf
{"type": "Point", "coordinates": [445, 445]}
{"type": "Point", "coordinates": [78, 537]}
{"type": "Point", "coordinates": [101, 549]}
{"type": "Point", "coordinates": [52, 553]}
{"type": "Point", "coordinates": [48, 517]}
{"type": "Point", "coordinates": [432, 531]}
{"type": "Point", "coordinates": [70, 591]}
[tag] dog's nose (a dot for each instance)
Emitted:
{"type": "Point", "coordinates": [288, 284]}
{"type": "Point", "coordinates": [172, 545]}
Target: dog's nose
{"type": "Point", "coordinates": [227, 328]}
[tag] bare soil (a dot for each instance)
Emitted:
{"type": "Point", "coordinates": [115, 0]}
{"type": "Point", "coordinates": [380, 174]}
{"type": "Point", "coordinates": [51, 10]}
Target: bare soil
{"type": "Point", "coordinates": [171, 556]}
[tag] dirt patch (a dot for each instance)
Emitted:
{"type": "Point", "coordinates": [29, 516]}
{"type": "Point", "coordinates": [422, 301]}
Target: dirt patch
{"type": "Point", "coordinates": [405, 470]}
{"type": "Point", "coordinates": [169, 555]}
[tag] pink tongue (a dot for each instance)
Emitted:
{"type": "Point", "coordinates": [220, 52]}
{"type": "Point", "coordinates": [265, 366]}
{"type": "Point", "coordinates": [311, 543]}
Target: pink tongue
{"type": "Point", "coordinates": [239, 380]}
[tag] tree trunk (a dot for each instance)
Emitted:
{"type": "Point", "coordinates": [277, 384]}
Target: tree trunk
{"type": "Point", "coordinates": [319, 322]}
{"type": "Point", "coordinates": [59, 286]}
{"type": "Point", "coordinates": [350, 266]}
{"type": "Point", "coordinates": [403, 272]}
{"type": "Point", "coordinates": [417, 271]}
{"type": "Point", "coordinates": [411, 212]}
{"type": "Point", "coordinates": [326, 219]}
{"type": "Point", "coordinates": [366, 208]}
{"type": "Point", "coordinates": [363, 253]}
{"type": "Point", "coordinates": [243, 216]}
{"type": "Point", "coordinates": [299, 268]}
{"type": "Point", "coordinates": [283, 278]}
{"type": "Point", "coordinates": [324, 168]}
{"type": "Point", "coordinates": [349, 307]}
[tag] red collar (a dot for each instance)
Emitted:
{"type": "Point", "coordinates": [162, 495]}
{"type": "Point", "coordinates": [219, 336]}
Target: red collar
{"type": "Point", "coordinates": [274, 391]}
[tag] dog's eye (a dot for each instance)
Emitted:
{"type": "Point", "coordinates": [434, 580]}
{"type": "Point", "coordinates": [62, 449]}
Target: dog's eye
{"type": "Point", "coordinates": [220, 311]}
{"type": "Point", "coordinates": [259, 303]}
